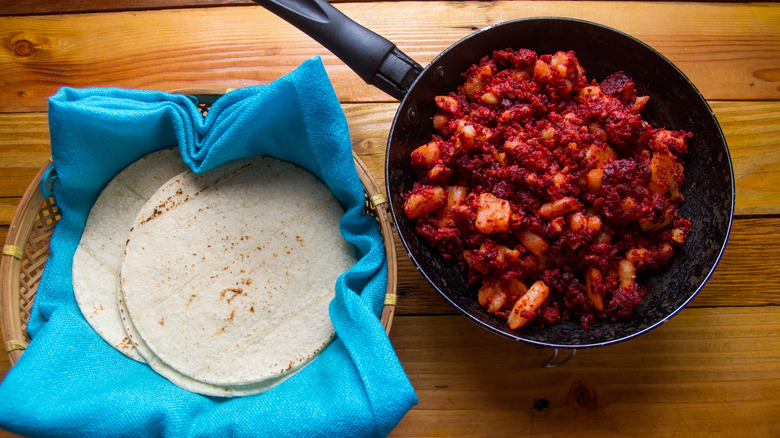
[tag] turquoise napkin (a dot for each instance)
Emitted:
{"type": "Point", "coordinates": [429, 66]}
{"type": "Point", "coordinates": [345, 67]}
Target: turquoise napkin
{"type": "Point", "coordinates": [69, 382]}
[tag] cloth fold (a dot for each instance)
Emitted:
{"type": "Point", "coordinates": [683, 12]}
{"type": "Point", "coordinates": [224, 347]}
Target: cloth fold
{"type": "Point", "coordinates": [69, 382]}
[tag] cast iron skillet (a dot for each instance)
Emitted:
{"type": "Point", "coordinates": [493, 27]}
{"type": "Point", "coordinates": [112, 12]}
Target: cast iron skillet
{"type": "Point", "coordinates": [674, 103]}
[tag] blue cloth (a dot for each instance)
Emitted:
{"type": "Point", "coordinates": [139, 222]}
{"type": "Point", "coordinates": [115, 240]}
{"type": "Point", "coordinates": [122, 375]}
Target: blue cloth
{"type": "Point", "coordinates": [69, 382]}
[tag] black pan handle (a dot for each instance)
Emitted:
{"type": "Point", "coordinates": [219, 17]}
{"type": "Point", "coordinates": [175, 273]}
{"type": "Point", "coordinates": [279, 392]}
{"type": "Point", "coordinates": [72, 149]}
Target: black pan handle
{"type": "Point", "coordinates": [375, 59]}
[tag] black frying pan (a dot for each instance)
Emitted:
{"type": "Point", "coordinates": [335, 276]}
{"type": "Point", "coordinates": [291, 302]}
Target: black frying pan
{"type": "Point", "coordinates": [674, 103]}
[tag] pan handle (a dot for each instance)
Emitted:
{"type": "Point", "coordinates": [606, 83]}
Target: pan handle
{"type": "Point", "coordinates": [375, 59]}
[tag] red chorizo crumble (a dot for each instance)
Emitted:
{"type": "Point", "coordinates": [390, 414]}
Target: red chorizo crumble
{"type": "Point", "coordinates": [548, 189]}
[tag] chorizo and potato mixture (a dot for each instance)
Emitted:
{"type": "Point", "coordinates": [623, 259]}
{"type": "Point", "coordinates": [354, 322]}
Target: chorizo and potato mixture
{"type": "Point", "coordinates": [549, 190]}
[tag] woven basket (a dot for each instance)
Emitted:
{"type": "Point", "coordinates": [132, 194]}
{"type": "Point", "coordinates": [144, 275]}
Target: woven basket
{"type": "Point", "coordinates": [27, 249]}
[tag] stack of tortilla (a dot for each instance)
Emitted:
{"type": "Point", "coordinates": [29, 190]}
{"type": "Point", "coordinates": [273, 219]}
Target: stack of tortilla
{"type": "Point", "coordinates": [220, 281]}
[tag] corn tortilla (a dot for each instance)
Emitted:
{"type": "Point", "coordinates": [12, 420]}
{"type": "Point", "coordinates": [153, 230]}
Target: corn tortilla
{"type": "Point", "coordinates": [98, 257]}
{"type": "Point", "coordinates": [228, 275]}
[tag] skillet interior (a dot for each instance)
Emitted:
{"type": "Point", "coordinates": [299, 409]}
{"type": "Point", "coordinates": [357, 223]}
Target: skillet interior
{"type": "Point", "coordinates": [674, 103]}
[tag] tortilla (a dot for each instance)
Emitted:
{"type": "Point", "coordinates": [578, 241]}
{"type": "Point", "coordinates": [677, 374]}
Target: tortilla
{"type": "Point", "coordinates": [180, 379]}
{"type": "Point", "coordinates": [98, 257]}
{"type": "Point", "coordinates": [228, 275]}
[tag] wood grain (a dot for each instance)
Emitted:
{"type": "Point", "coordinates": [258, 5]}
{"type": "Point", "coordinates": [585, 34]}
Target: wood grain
{"type": "Point", "coordinates": [38, 7]}
{"type": "Point", "coordinates": [24, 147]}
{"type": "Point", "coordinates": [677, 380]}
{"type": "Point", "coordinates": [751, 129]}
{"type": "Point", "coordinates": [230, 47]}
{"type": "Point", "coordinates": [469, 381]}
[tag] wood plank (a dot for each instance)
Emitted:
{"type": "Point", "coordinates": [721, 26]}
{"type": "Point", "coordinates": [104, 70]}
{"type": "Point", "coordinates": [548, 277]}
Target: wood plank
{"type": "Point", "coordinates": [39, 7]}
{"type": "Point", "coordinates": [756, 163]}
{"type": "Point", "coordinates": [229, 47]}
{"type": "Point", "coordinates": [7, 209]}
{"type": "Point", "coordinates": [706, 372]}
{"type": "Point", "coordinates": [751, 129]}
{"type": "Point", "coordinates": [24, 148]}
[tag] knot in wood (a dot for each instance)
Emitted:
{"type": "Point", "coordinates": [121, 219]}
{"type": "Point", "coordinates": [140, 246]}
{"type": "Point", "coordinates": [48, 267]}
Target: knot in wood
{"type": "Point", "coordinates": [582, 397]}
{"type": "Point", "coordinates": [23, 48]}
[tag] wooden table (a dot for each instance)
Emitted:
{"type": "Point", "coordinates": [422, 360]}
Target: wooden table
{"type": "Point", "coordinates": [712, 370]}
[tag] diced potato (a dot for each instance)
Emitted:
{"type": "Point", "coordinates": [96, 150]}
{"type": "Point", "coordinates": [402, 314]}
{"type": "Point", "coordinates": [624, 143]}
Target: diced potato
{"type": "Point", "coordinates": [489, 98]}
{"type": "Point", "coordinates": [594, 223]}
{"type": "Point", "coordinates": [590, 90]}
{"type": "Point", "coordinates": [601, 153]}
{"type": "Point", "coordinates": [626, 273]}
{"type": "Point", "coordinates": [517, 287]}
{"type": "Point", "coordinates": [427, 155]}
{"type": "Point", "coordinates": [491, 296]}
{"type": "Point", "coordinates": [559, 179]}
{"type": "Point", "coordinates": [533, 242]}
{"type": "Point", "coordinates": [638, 104]}
{"type": "Point", "coordinates": [678, 235]}
{"type": "Point", "coordinates": [592, 279]}
{"type": "Point", "coordinates": [531, 301]}
{"type": "Point", "coordinates": [493, 214]}
{"type": "Point", "coordinates": [541, 69]}
{"type": "Point", "coordinates": [424, 202]}
{"type": "Point", "coordinates": [637, 255]}
{"type": "Point", "coordinates": [455, 195]}
{"type": "Point", "coordinates": [662, 168]}
{"type": "Point", "coordinates": [448, 104]}
{"type": "Point", "coordinates": [578, 222]}
{"type": "Point", "coordinates": [559, 207]}
{"type": "Point", "coordinates": [557, 224]}
{"type": "Point", "coordinates": [440, 121]}
{"type": "Point", "coordinates": [593, 179]}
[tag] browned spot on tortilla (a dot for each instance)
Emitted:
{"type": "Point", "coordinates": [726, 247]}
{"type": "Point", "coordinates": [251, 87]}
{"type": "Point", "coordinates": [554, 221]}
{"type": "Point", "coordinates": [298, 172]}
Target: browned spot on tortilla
{"type": "Point", "coordinates": [252, 309]}
{"type": "Point", "coordinates": [161, 322]}
{"type": "Point", "coordinates": [232, 315]}
{"type": "Point", "coordinates": [246, 281]}
{"type": "Point", "coordinates": [165, 206]}
{"type": "Point", "coordinates": [192, 297]}
{"type": "Point", "coordinates": [233, 291]}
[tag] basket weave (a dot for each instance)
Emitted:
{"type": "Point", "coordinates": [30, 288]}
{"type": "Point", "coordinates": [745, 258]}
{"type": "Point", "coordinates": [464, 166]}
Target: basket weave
{"type": "Point", "coordinates": [27, 249]}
